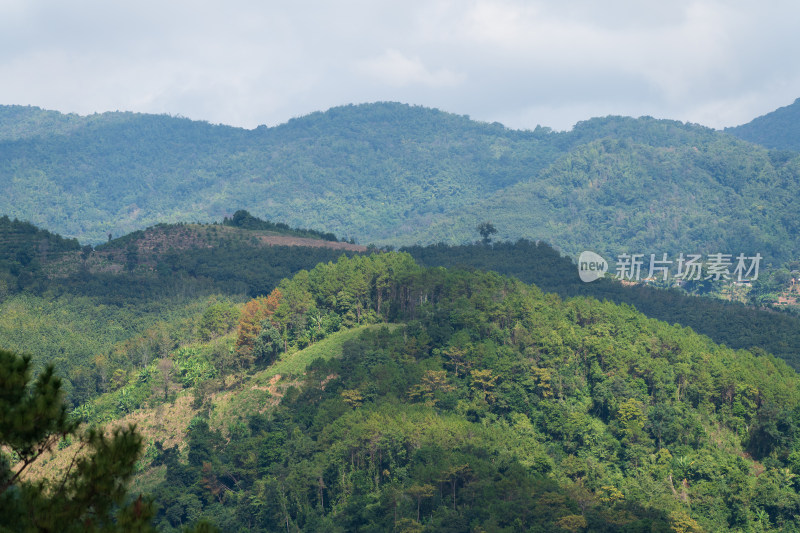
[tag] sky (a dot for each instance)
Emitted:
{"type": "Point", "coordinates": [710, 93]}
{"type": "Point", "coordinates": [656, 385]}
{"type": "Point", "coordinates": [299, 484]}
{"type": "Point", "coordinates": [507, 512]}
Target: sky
{"type": "Point", "coordinates": [521, 63]}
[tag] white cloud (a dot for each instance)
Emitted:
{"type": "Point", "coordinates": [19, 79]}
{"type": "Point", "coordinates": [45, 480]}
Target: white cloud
{"type": "Point", "coordinates": [515, 61]}
{"type": "Point", "coordinates": [398, 70]}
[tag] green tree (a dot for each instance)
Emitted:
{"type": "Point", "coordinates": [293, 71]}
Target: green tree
{"type": "Point", "coordinates": [91, 495]}
{"type": "Point", "coordinates": [486, 229]}
{"type": "Point", "coordinates": [432, 381]}
{"type": "Point", "coordinates": [131, 257]}
{"type": "Point", "coordinates": [268, 344]}
{"type": "Point", "coordinates": [86, 251]}
{"type": "Point", "coordinates": [218, 320]}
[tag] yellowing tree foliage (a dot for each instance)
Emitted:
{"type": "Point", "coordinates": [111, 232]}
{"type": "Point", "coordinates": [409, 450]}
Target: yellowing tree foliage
{"type": "Point", "coordinates": [254, 313]}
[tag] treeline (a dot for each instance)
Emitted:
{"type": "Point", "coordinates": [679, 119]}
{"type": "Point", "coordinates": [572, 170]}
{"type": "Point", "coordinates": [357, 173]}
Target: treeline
{"type": "Point", "coordinates": [24, 248]}
{"type": "Point", "coordinates": [490, 405]}
{"type": "Point", "coordinates": [243, 219]}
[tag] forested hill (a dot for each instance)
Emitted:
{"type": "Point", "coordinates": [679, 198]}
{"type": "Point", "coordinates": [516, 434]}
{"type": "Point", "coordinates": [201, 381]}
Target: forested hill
{"type": "Point", "coordinates": [778, 129]}
{"type": "Point", "coordinates": [733, 324]}
{"type": "Point", "coordinates": [242, 255]}
{"type": "Point", "coordinates": [396, 174]}
{"type": "Point", "coordinates": [171, 264]}
{"type": "Point", "coordinates": [370, 394]}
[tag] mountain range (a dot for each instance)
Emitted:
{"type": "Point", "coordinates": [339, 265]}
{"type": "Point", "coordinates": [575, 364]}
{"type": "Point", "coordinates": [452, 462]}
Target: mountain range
{"type": "Point", "coordinates": [390, 173]}
{"type": "Point", "coordinates": [252, 376]}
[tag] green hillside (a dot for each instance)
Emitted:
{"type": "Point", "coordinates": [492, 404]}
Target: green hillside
{"type": "Point", "coordinates": [734, 324]}
{"type": "Point", "coordinates": [376, 395]}
{"type": "Point", "coordinates": [395, 174]}
{"type": "Point", "coordinates": [687, 189]}
{"type": "Point", "coordinates": [94, 312]}
{"type": "Point", "coordinates": [97, 313]}
{"type": "Point", "coordinates": [355, 170]}
{"type": "Point", "coordinates": [284, 379]}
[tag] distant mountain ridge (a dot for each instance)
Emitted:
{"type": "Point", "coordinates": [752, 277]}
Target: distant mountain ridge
{"type": "Point", "coordinates": [396, 174]}
{"type": "Point", "coordinates": [779, 129]}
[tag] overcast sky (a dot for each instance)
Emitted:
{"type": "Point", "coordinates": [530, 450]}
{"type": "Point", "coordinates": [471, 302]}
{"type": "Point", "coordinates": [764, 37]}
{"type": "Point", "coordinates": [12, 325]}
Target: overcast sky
{"type": "Point", "coordinates": [522, 63]}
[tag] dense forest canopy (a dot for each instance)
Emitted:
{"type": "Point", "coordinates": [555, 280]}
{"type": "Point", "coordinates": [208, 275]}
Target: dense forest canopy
{"type": "Point", "coordinates": [447, 400]}
{"type": "Point", "coordinates": [94, 312]}
{"type": "Point", "coordinates": [734, 324]}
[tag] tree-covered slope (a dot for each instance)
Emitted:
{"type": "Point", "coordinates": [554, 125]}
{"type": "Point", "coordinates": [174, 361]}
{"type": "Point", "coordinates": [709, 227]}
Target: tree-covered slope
{"type": "Point", "coordinates": [778, 129]}
{"type": "Point", "coordinates": [396, 174]}
{"type": "Point", "coordinates": [484, 404]}
{"type": "Point", "coordinates": [123, 304]}
{"type": "Point", "coordinates": [25, 122]}
{"type": "Point", "coordinates": [356, 170]}
{"type": "Point", "coordinates": [242, 255]}
{"type": "Point", "coordinates": [94, 313]}
{"type": "Point", "coordinates": [733, 324]}
{"type": "Point", "coordinates": [24, 248]}
{"type": "Point", "coordinates": [650, 187]}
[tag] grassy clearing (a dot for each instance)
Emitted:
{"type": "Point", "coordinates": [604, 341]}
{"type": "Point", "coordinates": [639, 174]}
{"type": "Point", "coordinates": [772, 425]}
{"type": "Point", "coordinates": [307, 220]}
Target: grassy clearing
{"type": "Point", "coordinates": [294, 364]}
{"type": "Point", "coordinates": [265, 388]}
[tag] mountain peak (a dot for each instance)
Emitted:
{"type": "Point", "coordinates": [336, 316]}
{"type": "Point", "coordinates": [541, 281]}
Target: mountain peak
{"type": "Point", "coordinates": [779, 129]}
